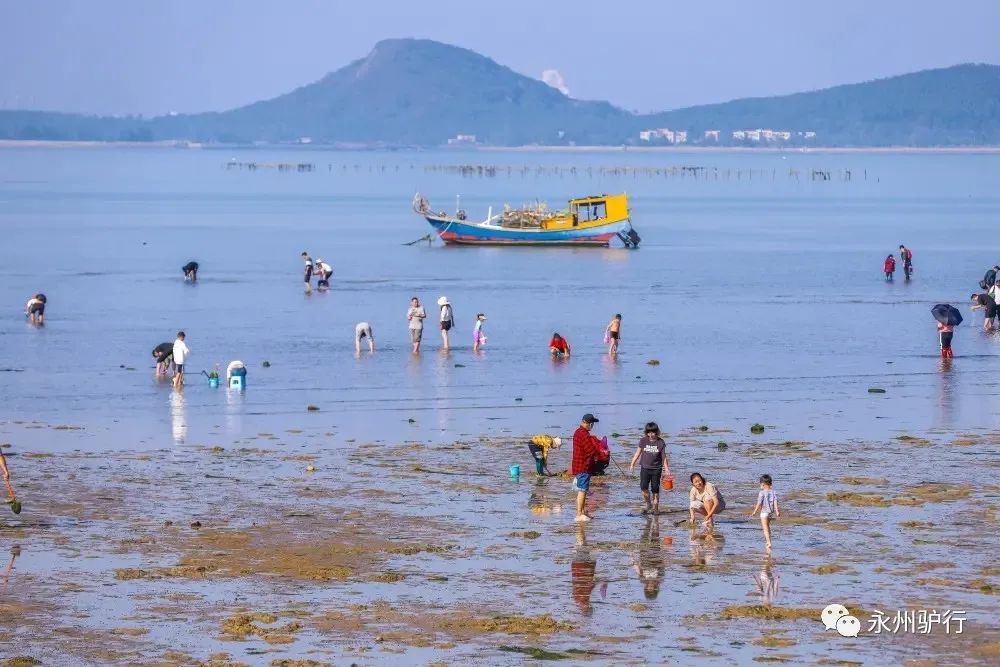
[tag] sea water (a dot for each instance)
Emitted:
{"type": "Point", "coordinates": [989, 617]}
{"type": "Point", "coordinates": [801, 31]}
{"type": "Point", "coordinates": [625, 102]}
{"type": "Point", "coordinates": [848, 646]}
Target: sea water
{"type": "Point", "coordinates": [758, 287]}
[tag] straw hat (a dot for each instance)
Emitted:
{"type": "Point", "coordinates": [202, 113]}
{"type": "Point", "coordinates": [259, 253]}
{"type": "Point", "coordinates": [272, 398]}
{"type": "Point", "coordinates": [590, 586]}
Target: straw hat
{"type": "Point", "coordinates": [443, 301]}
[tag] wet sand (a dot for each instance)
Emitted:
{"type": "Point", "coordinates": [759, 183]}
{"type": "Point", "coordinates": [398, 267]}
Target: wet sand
{"type": "Point", "coordinates": [226, 553]}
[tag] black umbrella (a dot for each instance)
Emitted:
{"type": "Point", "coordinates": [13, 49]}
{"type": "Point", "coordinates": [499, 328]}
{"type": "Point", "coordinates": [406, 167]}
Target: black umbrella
{"type": "Point", "coordinates": [947, 314]}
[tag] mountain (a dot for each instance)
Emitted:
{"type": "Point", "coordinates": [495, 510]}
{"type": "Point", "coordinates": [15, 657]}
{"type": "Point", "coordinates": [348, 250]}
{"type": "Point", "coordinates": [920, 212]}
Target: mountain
{"type": "Point", "coordinates": [410, 92]}
{"type": "Point", "coordinates": [957, 105]}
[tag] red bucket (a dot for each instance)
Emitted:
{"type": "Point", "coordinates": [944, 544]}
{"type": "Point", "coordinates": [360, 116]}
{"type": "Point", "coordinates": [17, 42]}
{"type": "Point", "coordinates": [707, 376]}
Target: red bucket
{"type": "Point", "coordinates": [667, 483]}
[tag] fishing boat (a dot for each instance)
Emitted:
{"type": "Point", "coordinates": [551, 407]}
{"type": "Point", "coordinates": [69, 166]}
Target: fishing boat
{"type": "Point", "coordinates": [587, 221]}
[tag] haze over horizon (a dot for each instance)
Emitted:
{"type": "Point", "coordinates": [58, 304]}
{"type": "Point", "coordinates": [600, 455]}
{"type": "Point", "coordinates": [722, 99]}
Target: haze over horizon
{"type": "Point", "coordinates": [119, 57]}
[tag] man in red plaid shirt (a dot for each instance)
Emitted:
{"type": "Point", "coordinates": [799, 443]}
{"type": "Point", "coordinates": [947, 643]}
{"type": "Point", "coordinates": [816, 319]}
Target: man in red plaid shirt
{"type": "Point", "coordinates": [584, 452]}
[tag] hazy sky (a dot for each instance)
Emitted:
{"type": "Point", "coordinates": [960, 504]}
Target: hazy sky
{"type": "Point", "coordinates": [134, 56]}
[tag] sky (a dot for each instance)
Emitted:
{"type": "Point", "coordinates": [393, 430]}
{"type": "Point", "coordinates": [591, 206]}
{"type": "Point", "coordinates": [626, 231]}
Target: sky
{"type": "Point", "coordinates": [133, 56]}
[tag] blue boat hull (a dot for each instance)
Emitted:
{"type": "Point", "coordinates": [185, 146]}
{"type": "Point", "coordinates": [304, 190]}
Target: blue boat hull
{"type": "Point", "coordinates": [459, 232]}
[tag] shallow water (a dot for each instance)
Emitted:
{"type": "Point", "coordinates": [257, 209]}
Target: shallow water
{"type": "Point", "coordinates": [761, 297]}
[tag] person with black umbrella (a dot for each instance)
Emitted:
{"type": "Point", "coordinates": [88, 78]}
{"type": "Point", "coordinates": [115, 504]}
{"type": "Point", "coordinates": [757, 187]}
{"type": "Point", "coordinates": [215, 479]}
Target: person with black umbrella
{"type": "Point", "coordinates": [948, 317]}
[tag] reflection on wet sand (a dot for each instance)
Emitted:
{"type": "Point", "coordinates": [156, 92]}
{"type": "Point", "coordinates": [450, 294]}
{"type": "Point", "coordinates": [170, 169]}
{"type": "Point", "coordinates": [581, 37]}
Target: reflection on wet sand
{"type": "Point", "coordinates": [178, 418]}
{"type": "Point", "coordinates": [705, 545]}
{"type": "Point", "coordinates": [583, 571]}
{"type": "Point", "coordinates": [15, 551]}
{"type": "Point", "coordinates": [767, 581]}
{"type": "Point", "coordinates": [649, 561]}
{"type": "Point", "coordinates": [946, 394]}
{"type": "Point", "coordinates": [543, 498]}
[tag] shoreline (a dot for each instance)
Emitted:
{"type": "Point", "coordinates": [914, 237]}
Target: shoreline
{"type": "Point", "coordinates": [189, 145]}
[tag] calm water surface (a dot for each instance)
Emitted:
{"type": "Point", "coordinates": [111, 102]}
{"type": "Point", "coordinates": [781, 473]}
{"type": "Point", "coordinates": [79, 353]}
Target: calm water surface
{"type": "Point", "coordinates": [760, 293]}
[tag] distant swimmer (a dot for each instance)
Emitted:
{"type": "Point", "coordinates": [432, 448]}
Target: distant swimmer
{"type": "Point", "coordinates": [307, 277]}
{"type": "Point", "coordinates": [889, 267]}
{"type": "Point", "coordinates": [190, 271]}
{"type": "Point", "coordinates": [363, 330]}
{"type": "Point", "coordinates": [559, 346]}
{"type": "Point", "coordinates": [324, 271]}
{"type": "Point", "coordinates": [164, 355]}
{"type": "Point", "coordinates": [34, 310]}
{"type": "Point", "coordinates": [180, 352]}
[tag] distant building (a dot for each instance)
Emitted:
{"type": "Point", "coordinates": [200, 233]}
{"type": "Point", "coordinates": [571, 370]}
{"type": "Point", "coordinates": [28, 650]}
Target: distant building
{"type": "Point", "coordinates": [664, 134]}
{"type": "Point", "coordinates": [807, 135]}
{"type": "Point", "coordinates": [462, 139]}
{"type": "Point", "coordinates": [765, 134]}
{"type": "Point", "coordinates": [305, 140]}
{"type": "Point", "coordinates": [711, 135]}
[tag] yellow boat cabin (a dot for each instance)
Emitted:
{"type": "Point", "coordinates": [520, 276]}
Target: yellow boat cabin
{"type": "Point", "coordinates": [583, 213]}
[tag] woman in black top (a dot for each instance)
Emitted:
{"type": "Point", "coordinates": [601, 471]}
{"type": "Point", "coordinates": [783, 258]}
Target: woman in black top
{"type": "Point", "coordinates": [652, 457]}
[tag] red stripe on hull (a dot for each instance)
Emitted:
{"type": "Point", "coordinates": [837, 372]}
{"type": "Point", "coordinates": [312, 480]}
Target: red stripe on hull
{"type": "Point", "coordinates": [451, 238]}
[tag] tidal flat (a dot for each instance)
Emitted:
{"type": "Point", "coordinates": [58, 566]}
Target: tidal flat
{"type": "Point", "coordinates": [413, 553]}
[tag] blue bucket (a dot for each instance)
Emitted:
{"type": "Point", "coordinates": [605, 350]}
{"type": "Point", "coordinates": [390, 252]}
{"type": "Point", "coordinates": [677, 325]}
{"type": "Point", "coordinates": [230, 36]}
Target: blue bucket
{"type": "Point", "coordinates": [515, 471]}
{"type": "Point", "coordinates": [213, 383]}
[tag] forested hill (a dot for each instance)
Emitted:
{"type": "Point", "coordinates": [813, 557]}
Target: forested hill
{"type": "Point", "coordinates": [410, 92]}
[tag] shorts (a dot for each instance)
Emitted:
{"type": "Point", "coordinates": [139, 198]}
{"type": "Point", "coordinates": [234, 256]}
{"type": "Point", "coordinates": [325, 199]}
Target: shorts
{"type": "Point", "coordinates": [416, 335]}
{"type": "Point", "coordinates": [446, 325]}
{"type": "Point", "coordinates": [765, 515]}
{"type": "Point", "coordinates": [364, 331]}
{"type": "Point", "coordinates": [582, 482]}
{"type": "Point", "coordinates": [179, 368]}
{"type": "Point", "coordinates": [37, 309]}
{"type": "Point", "coordinates": [613, 335]}
{"type": "Point", "coordinates": [649, 479]}
{"type": "Point", "coordinates": [991, 312]}
{"type": "Point", "coordinates": [309, 275]}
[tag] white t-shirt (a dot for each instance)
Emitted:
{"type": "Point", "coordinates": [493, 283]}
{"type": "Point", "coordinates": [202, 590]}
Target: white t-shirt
{"type": "Point", "coordinates": [446, 314]}
{"type": "Point", "coordinates": [416, 316]}
{"type": "Point", "coordinates": [181, 351]}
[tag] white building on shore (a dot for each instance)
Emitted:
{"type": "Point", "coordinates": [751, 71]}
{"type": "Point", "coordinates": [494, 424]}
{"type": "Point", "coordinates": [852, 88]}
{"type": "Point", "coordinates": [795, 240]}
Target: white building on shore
{"type": "Point", "coordinates": [664, 134]}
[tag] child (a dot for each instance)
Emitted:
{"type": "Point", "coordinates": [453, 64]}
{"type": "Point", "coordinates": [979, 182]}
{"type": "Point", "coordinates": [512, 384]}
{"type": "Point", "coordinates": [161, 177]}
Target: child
{"type": "Point", "coordinates": [180, 354]}
{"type": "Point", "coordinates": [767, 504]}
{"type": "Point", "coordinates": [190, 271]}
{"type": "Point", "coordinates": [945, 333]}
{"type": "Point", "coordinates": [652, 458]}
{"type": "Point", "coordinates": [613, 331]}
{"type": "Point", "coordinates": [539, 448]}
{"type": "Point", "coordinates": [889, 267]}
{"type": "Point", "coordinates": [478, 337]}
{"type": "Point", "coordinates": [6, 479]}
